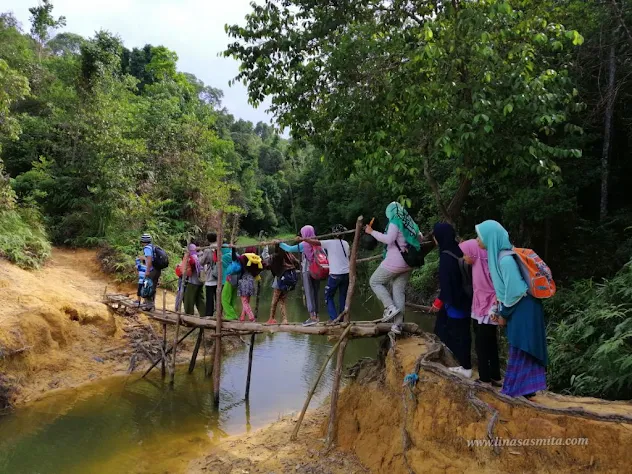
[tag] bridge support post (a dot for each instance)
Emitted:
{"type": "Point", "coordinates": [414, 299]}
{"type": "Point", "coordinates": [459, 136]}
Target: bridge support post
{"type": "Point", "coordinates": [163, 365]}
{"type": "Point", "coordinates": [335, 388]}
{"type": "Point", "coordinates": [175, 353]}
{"type": "Point", "coordinates": [217, 361]}
{"type": "Point", "coordinates": [196, 349]}
{"type": "Point", "coordinates": [252, 340]}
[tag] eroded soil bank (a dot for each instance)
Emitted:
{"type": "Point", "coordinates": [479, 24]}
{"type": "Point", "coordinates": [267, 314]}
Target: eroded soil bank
{"type": "Point", "coordinates": [385, 427]}
{"type": "Point", "coordinates": [55, 332]}
{"type": "Point", "coordinates": [391, 428]}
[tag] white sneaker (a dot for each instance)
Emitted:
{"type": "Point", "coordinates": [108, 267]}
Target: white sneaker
{"type": "Point", "coordinates": [395, 329]}
{"type": "Point", "coordinates": [390, 313]}
{"type": "Point", "coordinates": [467, 373]}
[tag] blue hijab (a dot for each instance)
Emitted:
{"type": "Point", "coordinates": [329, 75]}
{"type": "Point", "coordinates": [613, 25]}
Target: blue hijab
{"type": "Point", "coordinates": [508, 282]}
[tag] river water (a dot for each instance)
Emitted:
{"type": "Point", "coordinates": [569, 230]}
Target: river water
{"type": "Point", "coordinates": [128, 425]}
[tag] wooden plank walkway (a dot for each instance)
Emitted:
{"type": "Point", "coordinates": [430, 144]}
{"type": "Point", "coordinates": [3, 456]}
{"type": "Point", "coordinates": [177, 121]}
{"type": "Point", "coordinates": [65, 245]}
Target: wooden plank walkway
{"type": "Point", "coordinates": [358, 329]}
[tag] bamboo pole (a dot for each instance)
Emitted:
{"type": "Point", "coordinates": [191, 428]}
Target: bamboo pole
{"type": "Point", "coordinates": [196, 350]}
{"type": "Point", "coordinates": [292, 240]}
{"type": "Point", "coordinates": [369, 259]}
{"type": "Point", "coordinates": [217, 360]}
{"type": "Point", "coordinates": [313, 389]}
{"type": "Point", "coordinates": [167, 352]}
{"type": "Point", "coordinates": [252, 340]}
{"type": "Point", "coordinates": [163, 365]}
{"type": "Point", "coordinates": [175, 353]}
{"type": "Point", "coordinates": [335, 387]}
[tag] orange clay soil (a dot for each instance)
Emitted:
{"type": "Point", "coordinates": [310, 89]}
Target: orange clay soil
{"type": "Point", "coordinates": [378, 416]}
{"type": "Point", "coordinates": [54, 330]}
{"type": "Point", "coordinates": [439, 418]}
{"type": "Point", "coordinates": [269, 450]}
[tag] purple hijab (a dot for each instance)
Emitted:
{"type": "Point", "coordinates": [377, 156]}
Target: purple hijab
{"type": "Point", "coordinates": [193, 255]}
{"type": "Point", "coordinates": [307, 232]}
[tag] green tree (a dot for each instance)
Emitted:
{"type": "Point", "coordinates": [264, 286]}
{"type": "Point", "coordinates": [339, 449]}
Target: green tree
{"type": "Point", "coordinates": [393, 90]}
{"type": "Point", "coordinates": [42, 22]}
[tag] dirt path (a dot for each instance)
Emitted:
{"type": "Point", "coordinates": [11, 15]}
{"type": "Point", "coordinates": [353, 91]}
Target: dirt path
{"type": "Point", "coordinates": [54, 330]}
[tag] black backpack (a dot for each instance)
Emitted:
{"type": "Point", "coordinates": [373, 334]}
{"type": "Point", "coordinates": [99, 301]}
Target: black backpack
{"type": "Point", "coordinates": [466, 274]}
{"type": "Point", "coordinates": [413, 257]}
{"type": "Point", "coordinates": [288, 281]}
{"type": "Point", "coordinates": [160, 258]}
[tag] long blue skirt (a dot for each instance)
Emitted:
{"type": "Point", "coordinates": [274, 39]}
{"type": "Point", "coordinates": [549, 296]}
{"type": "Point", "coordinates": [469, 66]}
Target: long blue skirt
{"type": "Point", "coordinates": [525, 374]}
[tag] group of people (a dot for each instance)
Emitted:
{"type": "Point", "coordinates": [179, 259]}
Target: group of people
{"type": "Point", "coordinates": [199, 276]}
{"type": "Point", "coordinates": [497, 296]}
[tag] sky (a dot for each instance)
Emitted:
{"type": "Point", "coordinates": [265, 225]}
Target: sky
{"type": "Point", "coordinates": [194, 29]}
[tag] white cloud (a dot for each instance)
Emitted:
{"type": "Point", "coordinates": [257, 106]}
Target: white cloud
{"type": "Point", "coordinates": [194, 29]}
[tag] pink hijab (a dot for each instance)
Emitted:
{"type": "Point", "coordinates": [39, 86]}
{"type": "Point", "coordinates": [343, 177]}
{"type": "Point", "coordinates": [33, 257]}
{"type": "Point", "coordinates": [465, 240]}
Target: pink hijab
{"type": "Point", "coordinates": [307, 232]}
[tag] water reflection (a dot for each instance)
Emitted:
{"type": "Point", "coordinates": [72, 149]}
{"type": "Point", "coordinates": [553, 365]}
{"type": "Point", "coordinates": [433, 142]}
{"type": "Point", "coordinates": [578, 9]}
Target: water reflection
{"type": "Point", "coordinates": [123, 424]}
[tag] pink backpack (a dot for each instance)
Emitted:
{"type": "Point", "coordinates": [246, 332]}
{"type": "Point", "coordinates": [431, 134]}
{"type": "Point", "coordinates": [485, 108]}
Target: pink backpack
{"type": "Point", "coordinates": [319, 267]}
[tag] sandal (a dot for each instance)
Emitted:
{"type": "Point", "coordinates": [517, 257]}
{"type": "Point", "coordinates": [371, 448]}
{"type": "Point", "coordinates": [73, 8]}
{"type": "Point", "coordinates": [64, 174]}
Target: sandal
{"type": "Point", "coordinates": [252, 320]}
{"type": "Point", "coordinates": [284, 322]}
{"type": "Point", "coordinates": [271, 321]}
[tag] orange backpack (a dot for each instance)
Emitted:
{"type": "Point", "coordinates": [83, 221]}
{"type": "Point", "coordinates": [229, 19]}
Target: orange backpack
{"type": "Point", "coordinates": [536, 274]}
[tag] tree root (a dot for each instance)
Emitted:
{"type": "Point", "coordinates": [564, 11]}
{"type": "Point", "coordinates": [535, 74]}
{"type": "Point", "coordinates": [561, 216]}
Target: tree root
{"type": "Point", "coordinates": [437, 349]}
{"type": "Point", "coordinates": [478, 403]}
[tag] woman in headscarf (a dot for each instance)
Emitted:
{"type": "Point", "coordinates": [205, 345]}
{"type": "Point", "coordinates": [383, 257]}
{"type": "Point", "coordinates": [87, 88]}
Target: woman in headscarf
{"type": "Point", "coordinates": [456, 303]}
{"type": "Point", "coordinates": [231, 271]}
{"type": "Point", "coordinates": [194, 289]}
{"type": "Point", "coordinates": [252, 266]}
{"type": "Point", "coordinates": [401, 232]}
{"type": "Point", "coordinates": [520, 312]}
{"type": "Point", "coordinates": [283, 267]}
{"type": "Point", "coordinates": [310, 285]}
{"type": "Point", "coordinates": [484, 309]}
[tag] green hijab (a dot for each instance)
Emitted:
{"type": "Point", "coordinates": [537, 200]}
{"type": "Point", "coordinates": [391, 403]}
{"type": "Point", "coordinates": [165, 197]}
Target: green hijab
{"type": "Point", "coordinates": [509, 288]}
{"type": "Point", "coordinates": [399, 216]}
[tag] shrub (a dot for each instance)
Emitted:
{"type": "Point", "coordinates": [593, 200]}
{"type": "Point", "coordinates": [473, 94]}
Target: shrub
{"type": "Point", "coordinates": [424, 281]}
{"type": "Point", "coordinates": [590, 338]}
{"type": "Point", "coordinates": [23, 239]}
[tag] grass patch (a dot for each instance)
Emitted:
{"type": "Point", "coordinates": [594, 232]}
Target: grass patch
{"type": "Point", "coordinates": [23, 238]}
{"type": "Point", "coordinates": [248, 240]}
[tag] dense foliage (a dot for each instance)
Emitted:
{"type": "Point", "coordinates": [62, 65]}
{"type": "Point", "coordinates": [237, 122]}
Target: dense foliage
{"type": "Point", "coordinates": [108, 142]}
{"type": "Point", "coordinates": [463, 110]}
{"type": "Point", "coordinates": [505, 109]}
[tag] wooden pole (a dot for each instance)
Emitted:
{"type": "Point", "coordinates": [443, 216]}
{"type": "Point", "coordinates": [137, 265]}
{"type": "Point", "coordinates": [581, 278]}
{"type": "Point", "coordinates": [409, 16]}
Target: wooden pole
{"type": "Point", "coordinates": [218, 314]}
{"type": "Point", "coordinates": [163, 365]}
{"type": "Point", "coordinates": [353, 261]}
{"type": "Point", "coordinates": [335, 387]}
{"type": "Point", "coordinates": [252, 341]}
{"type": "Point", "coordinates": [196, 350]}
{"type": "Point", "coordinates": [167, 352]}
{"type": "Point", "coordinates": [292, 241]}
{"type": "Point", "coordinates": [320, 374]}
{"type": "Point", "coordinates": [175, 353]}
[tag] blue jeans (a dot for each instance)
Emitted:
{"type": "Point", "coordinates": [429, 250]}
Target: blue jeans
{"type": "Point", "coordinates": [336, 282]}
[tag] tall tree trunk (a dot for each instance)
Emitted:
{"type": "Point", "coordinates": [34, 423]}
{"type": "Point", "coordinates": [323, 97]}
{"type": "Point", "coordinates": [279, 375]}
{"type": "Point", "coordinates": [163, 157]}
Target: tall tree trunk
{"type": "Point", "coordinates": [607, 135]}
{"type": "Point", "coordinates": [459, 198]}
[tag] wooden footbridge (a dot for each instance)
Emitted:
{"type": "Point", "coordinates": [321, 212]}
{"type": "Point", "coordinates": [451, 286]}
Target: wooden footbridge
{"type": "Point", "coordinates": [217, 328]}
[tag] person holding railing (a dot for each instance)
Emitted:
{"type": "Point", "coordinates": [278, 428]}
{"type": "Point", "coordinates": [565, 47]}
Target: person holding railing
{"type": "Point", "coordinates": [402, 232]}
{"type": "Point", "coordinates": [310, 284]}
{"type": "Point", "coordinates": [338, 254]}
